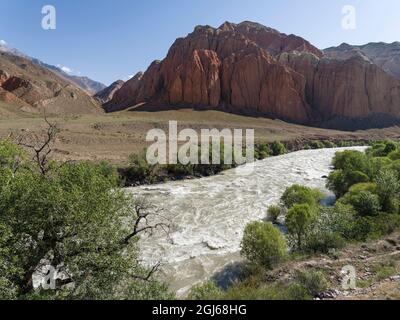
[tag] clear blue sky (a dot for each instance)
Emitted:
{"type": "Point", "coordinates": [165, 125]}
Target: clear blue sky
{"type": "Point", "coordinates": [112, 39]}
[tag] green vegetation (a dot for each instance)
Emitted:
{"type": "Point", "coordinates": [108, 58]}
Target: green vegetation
{"type": "Point", "coordinates": [139, 172]}
{"type": "Point", "coordinates": [263, 244]}
{"type": "Point", "coordinates": [367, 186]}
{"type": "Point", "coordinates": [73, 217]}
{"type": "Point", "coordinates": [274, 212]}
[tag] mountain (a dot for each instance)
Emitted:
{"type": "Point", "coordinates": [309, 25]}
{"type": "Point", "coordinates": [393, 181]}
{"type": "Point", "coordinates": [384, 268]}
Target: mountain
{"type": "Point", "coordinates": [384, 55]}
{"type": "Point", "coordinates": [252, 69]}
{"type": "Point", "coordinates": [33, 88]}
{"type": "Point", "coordinates": [107, 94]}
{"type": "Point", "coordinates": [89, 85]}
{"type": "Point", "coordinates": [231, 68]}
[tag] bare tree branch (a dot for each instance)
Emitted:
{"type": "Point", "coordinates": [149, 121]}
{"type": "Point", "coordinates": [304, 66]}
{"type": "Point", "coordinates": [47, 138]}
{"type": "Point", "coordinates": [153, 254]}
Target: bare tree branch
{"type": "Point", "coordinates": [143, 212]}
{"type": "Point", "coordinates": [40, 145]}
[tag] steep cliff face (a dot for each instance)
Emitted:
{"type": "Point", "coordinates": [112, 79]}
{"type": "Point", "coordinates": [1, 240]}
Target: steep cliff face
{"type": "Point", "coordinates": [352, 88]}
{"type": "Point", "coordinates": [250, 68]}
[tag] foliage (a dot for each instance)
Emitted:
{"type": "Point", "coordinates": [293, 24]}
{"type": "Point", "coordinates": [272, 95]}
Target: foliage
{"type": "Point", "coordinates": [263, 244]}
{"type": "Point", "coordinates": [75, 219]}
{"type": "Point", "coordinates": [299, 220]}
{"type": "Point", "coordinates": [278, 148]}
{"type": "Point", "coordinates": [274, 212]}
{"type": "Point", "coordinates": [313, 282]}
{"type": "Point", "coordinates": [205, 291]}
{"type": "Point", "coordinates": [298, 194]}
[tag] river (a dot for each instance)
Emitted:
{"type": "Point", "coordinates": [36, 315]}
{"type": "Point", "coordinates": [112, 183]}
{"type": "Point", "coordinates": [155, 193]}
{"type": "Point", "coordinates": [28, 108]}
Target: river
{"type": "Point", "coordinates": [209, 215]}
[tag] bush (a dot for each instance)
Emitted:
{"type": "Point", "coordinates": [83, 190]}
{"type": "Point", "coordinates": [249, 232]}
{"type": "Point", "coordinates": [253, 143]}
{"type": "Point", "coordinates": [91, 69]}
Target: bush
{"type": "Point", "coordinates": [299, 219]}
{"type": "Point", "coordinates": [263, 244]}
{"type": "Point", "coordinates": [324, 242]}
{"type": "Point", "coordinates": [278, 148]}
{"type": "Point", "coordinates": [314, 282]}
{"type": "Point", "coordinates": [298, 194]}
{"type": "Point", "coordinates": [274, 212]}
{"type": "Point", "coordinates": [388, 189]}
{"type": "Point", "coordinates": [205, 291]}
{"type": "Point", "coordinates": [364, 202]}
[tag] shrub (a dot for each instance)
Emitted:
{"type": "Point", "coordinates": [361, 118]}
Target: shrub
{"type": "Point", "coordinates": [388, 189]}
{"type": "Point", "coordinates": [278, 148]}
{"type": "Point", "coordinates": [263, 244]}
{"type": "Point", "coordinates": [364, 202]}
{"type": "Point", "coordinates": [324, 242]}
{"type": "Point", "coordinates": [299, 219]}
{"type": "Point", "coordinates": [314, 282]}
{"type": "Point", "coordinates": [298, 194]}
{"type": "Point", "coordinates": [205, 291]}
{"type": "Point", "coordinates": [274, 212]}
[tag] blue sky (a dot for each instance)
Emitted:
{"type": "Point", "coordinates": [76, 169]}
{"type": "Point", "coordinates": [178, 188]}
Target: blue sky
{"type": "Point", "coordinates": [112, 39]}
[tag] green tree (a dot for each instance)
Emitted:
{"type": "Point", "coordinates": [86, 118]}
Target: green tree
{"type": "Point", "coordinates": [263, 244]}
{"type": "Point", "coordinates": [364, 202]}
{"type": "Point", "coordinates": [299, 220]}
{"type": "Point", "coordinates": [298, 194]}
{"type": "Point", "coordinates": [388, 189]}
{"type": "Point", "coordinates": [71, 216]}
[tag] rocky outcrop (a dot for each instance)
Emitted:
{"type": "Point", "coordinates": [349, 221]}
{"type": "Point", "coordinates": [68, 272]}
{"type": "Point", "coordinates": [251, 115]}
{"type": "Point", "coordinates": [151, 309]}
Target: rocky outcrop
{"type": "Point", "coordinates": [107, 94]}
{"type": "Point", "coordinates": [384, 55]}
{"type": "Point", "coordinates": [249, 68]}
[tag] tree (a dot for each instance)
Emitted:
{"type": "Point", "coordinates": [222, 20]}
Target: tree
{"type": "Point", "coordinates": [263, 244]}
{"type": "Point", "coordinates": [299, 219]}
{"type": "Point", "coordinates": [298, 194]}
{"type": "Point", "coordinates": [364, 202]}
{"type": "Point", "coordinates": [388, 189]}
{"type": "Point", "coordinates": [74, 218]}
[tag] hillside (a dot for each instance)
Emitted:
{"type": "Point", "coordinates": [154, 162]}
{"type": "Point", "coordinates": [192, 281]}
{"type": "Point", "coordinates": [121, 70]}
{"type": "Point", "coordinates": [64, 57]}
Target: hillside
{"type": "Point", "coordinates": [33, 88]}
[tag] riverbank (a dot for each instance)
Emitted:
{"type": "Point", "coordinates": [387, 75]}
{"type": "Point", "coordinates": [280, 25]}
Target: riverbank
{"type": "Point", "coordinates": [138, 172]}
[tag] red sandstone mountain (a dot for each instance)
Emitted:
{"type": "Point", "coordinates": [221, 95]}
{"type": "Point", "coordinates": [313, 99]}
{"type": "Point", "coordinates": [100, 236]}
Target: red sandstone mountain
{"type": "Point", "coordinates": [250, 68]}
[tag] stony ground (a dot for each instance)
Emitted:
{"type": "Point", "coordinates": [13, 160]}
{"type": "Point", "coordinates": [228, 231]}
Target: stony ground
{"type": "Point", "coordinates": [377, 265]}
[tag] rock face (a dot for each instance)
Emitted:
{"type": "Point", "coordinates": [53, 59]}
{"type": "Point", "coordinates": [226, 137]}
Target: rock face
{"type": "Point", "coordinates": [107, 94]}
{"type": "Point", "coordinates": [249, 68]}
{"type": "Point", "coordinates": [384, 55]}
{"type": "Point", "coordinates": [346, 89]}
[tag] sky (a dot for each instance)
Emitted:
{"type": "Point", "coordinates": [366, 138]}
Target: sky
{"type": "Point", "coordinates": [108, 40]}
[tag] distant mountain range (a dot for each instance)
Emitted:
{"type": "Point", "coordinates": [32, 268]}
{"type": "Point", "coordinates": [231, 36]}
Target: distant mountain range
{"type": "Point", "coordinates": [242, 68]}
{"type": "Point", "coordinates": [89, 85]}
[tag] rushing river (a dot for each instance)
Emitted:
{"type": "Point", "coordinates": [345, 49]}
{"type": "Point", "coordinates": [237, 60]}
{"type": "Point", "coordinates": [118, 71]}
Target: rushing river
{"type": "Point", "coordinates": [209, 215]}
